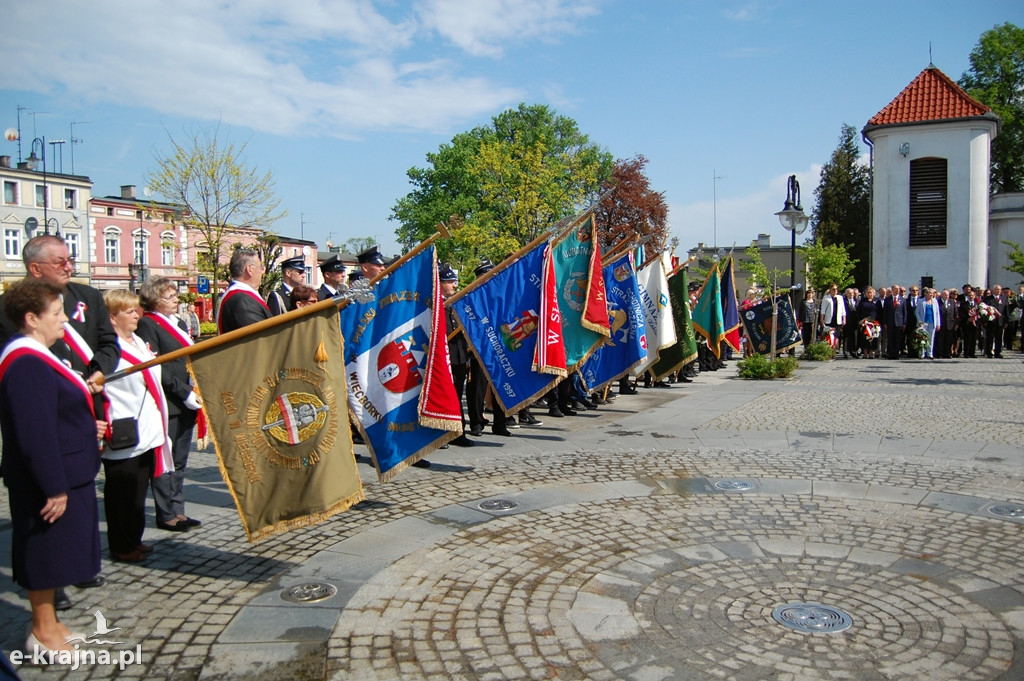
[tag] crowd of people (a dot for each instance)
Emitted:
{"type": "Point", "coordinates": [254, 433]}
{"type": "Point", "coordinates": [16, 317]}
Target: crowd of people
{"type": "Point", "coordinates": [919, 322]}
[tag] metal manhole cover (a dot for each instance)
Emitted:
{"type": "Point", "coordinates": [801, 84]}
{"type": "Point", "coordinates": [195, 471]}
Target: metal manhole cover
{"type": "Point", "coordinates": [735, 485]}
{"type": "Point", "coordinates": [308, 593]}
{"type": "Point", "coordinates": [812, 618]}
{"type": "Point", "coordinates": [1007, 511]}
{"type": "Point", "coordinates": [497, 505]}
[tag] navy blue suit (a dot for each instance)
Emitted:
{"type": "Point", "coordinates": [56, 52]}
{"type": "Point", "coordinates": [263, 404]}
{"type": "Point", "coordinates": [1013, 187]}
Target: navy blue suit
{"type": "Point", "coordinates": [49, 447]}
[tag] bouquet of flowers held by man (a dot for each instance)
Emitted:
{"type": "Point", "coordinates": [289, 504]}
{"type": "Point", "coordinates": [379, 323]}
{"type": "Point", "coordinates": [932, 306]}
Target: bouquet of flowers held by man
{"type": "Point", "coordinates": [987, 313]}
{"type": "Point", "coordinates": [872, 329]}
{"type": "Point", "coordinates": [920, 339]}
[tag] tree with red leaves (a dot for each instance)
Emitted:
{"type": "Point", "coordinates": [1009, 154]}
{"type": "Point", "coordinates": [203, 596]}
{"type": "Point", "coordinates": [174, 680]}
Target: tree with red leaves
{"type": "Point", "coordinates": [633, 209]}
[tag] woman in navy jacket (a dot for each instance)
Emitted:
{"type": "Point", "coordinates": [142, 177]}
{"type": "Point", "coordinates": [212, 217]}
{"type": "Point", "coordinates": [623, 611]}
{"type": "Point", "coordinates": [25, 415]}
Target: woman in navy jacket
{"type": "Point", "coordinates": [50, 459]}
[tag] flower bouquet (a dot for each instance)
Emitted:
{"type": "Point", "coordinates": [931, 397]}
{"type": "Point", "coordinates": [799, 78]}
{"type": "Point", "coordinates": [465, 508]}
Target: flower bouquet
{"type": "Point", "coordinates": [872, 330]}
{"type": "Point", "coordinates": [987, 313]}
{"type": "Point", "coordinates": [920, 340]}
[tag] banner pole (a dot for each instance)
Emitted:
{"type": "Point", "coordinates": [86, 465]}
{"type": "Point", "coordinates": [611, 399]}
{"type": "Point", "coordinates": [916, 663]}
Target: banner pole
{"type": "Point", "coordinates": [265, 324]}
{"type": "Point", "coordinates": [500, 267]}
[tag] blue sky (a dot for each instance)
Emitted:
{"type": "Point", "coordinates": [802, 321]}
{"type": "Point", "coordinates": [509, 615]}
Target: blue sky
{"type": "Point", "coordinates": [339, 98]}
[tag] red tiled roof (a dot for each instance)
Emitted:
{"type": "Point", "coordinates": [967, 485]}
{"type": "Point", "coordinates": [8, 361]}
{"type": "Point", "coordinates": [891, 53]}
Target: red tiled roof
{"type": "Point", "coordinates": [932, 96]}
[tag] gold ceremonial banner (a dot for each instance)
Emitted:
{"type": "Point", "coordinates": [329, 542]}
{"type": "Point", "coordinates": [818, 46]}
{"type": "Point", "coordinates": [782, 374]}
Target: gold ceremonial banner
{"type": "Point", "coordinates": [277, 408]}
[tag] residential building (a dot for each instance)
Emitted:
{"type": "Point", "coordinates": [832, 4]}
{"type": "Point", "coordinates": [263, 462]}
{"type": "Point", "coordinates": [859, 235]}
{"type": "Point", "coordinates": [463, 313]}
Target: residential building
{"type": "Point", "coordinates": [35, 202]}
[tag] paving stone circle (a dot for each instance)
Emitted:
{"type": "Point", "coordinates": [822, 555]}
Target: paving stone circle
{"type": "Point", "coordinates": [664, 587]}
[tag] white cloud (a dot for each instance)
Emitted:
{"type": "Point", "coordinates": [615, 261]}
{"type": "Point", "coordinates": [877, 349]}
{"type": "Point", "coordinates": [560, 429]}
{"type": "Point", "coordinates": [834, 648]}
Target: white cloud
{"type": "Point", "coordinates": [481, 27]}
{"type": "Point", "coordinates": [311, 67]}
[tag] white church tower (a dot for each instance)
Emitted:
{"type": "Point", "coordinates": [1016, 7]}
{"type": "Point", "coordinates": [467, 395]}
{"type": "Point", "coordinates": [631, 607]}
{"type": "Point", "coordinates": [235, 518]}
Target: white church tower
{"type": "Point", "coordinates": [930, 185]}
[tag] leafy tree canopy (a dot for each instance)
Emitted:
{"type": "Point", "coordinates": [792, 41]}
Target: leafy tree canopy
{"type": "Point", "coordinates": [633, 209]}
{"type": "Point", "coordinates": [217, 191]}
{"type": "Point", "coordinates": [505, 183]}
{"type": "Point", "coordinates": [842, 207]}
{"type": "Point", "coordinates": [996, 78]}
{"type": "Point", "coordinates": [828, 265]}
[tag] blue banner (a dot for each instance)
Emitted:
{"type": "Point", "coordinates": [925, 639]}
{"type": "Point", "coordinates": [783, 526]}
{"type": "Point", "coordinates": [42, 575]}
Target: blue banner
{"type": "Point", "coordinates": [757, 320]}
{"type": "Point", "coordinates": [387, 365]}
{"type": "Point", "coordinates": [627, 346]}
{"type": "Point", "coordinates": [500, 318]}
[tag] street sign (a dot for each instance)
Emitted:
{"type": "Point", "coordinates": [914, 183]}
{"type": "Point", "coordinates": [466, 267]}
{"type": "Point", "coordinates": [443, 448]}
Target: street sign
{"type": "Point", "coordinates": [202, 285]}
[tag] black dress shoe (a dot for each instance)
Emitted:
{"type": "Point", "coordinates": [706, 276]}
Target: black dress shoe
{"type": "Point", "coordinates": [443, 447]}
{"type": "Point", "coordinates": [422, 463]}
{"type": "Point", "coordinates": [463, 441]}
{"type": "Point", "coordinates": [503, 432]}
{"type": "Point", "coordinates": [60, 599]}
{"type": "Point", "coordinates": [176, 527]}
{"type": "Point", "coordinates": [555, 412]}
{"type": "Point", "coordinates": [528, 419]}
{"type": "Point", "coordinates": [476, 431]}
{"type": "Point", "coordinates": [568, 411]}
{"type": "Point", "coordinates": [96, 581]}
{"type": "Point", "coordinates": [684, 379]}
{"type": "Point", "coordinates": [627, 391]}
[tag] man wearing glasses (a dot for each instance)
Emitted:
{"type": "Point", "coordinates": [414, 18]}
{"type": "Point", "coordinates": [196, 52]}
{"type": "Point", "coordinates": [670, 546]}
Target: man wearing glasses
{"type": "Point", "coordinates": [89, 345]}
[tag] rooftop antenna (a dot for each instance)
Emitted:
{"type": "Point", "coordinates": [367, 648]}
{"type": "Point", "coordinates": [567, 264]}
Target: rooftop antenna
{"type": "Point", "coordinates": [20, 109]}
{"type": "Point", "coordinates": [74, 141]}
{"type": "Point", "coordinates": [931, 64]}
{"type": "Point", "coordinates": [302, 226]}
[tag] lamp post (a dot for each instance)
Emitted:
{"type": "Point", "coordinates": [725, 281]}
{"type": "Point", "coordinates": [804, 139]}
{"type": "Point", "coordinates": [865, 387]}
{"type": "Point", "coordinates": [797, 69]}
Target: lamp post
{"type": "Point", "coordinates": [33, 162]}
{"type": "Point", "coordinates": [793, 219]}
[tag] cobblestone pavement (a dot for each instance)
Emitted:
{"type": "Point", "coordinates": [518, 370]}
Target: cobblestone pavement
{"type": "Point", "coordinates": [654, 538]}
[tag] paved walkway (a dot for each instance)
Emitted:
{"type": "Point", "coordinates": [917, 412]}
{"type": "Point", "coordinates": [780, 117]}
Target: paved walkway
{"type": "Point", "coordinates": [650, 539]}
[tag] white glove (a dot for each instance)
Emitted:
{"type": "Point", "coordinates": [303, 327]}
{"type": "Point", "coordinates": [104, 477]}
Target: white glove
{"type": "Point", "coordinates": [193, 402]}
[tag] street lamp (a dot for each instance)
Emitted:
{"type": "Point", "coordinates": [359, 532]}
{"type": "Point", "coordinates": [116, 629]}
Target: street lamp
{"type": "Point", "coordinates": [793, 219]}
{"type": "Point", "coordinates": [33, 162]}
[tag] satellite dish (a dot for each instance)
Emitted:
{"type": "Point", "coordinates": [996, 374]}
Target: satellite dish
{"type": "Point", "coordinates": [11, 134]}
{"type": "Point", "coordinates": [146, 191]}
{"type": "Point", "coordinates": [306, 250]}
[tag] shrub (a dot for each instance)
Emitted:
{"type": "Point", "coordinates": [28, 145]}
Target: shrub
{"type": "Point", "coordinates": [207, 328]}
{"type": "Point", "coordinates": [819, 351]}
{"type": "Point", "coordinates": [759, 367]}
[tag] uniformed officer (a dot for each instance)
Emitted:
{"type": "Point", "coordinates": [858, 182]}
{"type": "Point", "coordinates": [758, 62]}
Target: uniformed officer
{"type": "Point", "coordinates": [293, 273]}
{"type": "Point", "coordinates": [458, 350]}
{"type": "Point", "coordinates": [371, 261]}
{"type": "Point", "coordinates": [333, 271]}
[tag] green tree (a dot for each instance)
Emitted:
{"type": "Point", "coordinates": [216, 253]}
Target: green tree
{"type": "Point", "coordinates": [633, 209]}
{"type": "Point", "coordinates": [1016, 256]}
{"type": "Point", "coordinates": [269, 247]}
{"type": "Point", "coordinates": [827, 265]}
{"type": "Point", "coordinates": [358, 244]}
{"type": "Point", "coordinates": [996, 79]}
{"type": "Point", "coordinates": [217, 190]}
{"type": "Point", "coordinates": [843, 203]}
{"type": "Point", "coordinates": [506, 182]}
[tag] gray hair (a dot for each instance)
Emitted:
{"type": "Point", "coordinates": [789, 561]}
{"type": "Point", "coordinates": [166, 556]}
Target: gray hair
{"type": "Point", "coordinates": [240, 259]}
{"type": "Point", "coordinates": [153, 289]}
{"type": "Point", "coordinates": [37, 245]}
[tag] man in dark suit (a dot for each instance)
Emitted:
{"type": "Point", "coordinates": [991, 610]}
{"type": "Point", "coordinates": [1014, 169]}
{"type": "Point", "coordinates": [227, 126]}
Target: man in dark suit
{"type": "Point", "coordinates": [994, 328]}
{"type": "Point", "coordinates": [895, 318]}
{"type": "Point", "coordinates": [851, 327]}
{"type": "Point", "coordinates": [333, 272]}
{"type": "Point", "coordinates": [968, 323]}
{"type": "Point", "coordinates": [242, 304]}
{"type": "Point", "coordinates": [90, 343]}
{"type": "Point", "coordinates": [949, 315]}
{"type": "Point", "coordinates": [293, 273]}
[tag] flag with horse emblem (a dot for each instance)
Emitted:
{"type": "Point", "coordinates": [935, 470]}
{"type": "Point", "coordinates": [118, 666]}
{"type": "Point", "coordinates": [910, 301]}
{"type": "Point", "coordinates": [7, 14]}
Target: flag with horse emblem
{"type": "Point", "coordinates": [278, 415]}
{"type": "Point", "coordinates": [581, 295]}
{"type": "Point", "coordinates": [401, 394]}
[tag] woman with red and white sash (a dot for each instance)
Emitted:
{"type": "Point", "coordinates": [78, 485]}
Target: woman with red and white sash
{"type": "Point", "coordinates": [50, 460]}
{"type": "Point", "coordinates": [160, 328]}
{"type": "Point", "coordinates": [129, 470]}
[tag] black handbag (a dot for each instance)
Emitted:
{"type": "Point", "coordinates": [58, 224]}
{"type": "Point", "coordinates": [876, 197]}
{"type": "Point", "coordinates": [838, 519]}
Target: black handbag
{"type": "Point", "coordinates": [124, 433]}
